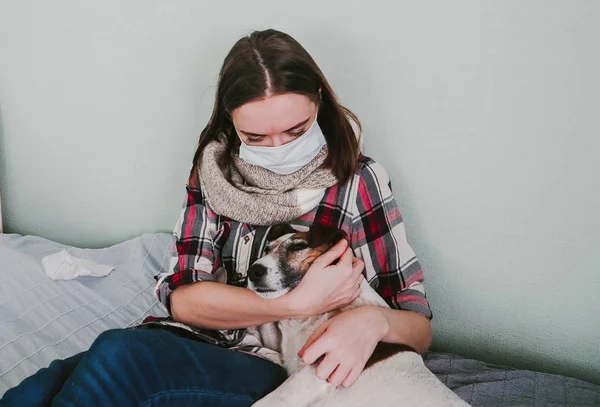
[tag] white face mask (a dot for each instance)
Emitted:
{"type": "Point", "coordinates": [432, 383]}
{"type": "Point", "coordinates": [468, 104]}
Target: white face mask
{"type": "Point", "coordinates": [289, 157]}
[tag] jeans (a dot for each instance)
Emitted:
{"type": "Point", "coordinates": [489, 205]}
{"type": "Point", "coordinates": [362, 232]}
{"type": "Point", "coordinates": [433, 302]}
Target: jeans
{"type": "Point", "coordinates": [149, 368]}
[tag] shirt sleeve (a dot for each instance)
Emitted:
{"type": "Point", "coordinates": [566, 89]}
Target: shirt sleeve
{"type": "Point", "coordinates": [379, 239]}
{"type": "Point", "coordinates": [193, 256]}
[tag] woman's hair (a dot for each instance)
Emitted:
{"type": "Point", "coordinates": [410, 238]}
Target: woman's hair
{"type": "Point", "coordinates": [269, 63]}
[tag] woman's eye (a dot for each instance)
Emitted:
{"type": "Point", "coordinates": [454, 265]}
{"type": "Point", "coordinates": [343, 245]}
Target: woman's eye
{"type": "Point", "coordinates": [254, 140]}
{"type": "Point", "coordinates": [298, 134]}
{"type": "Point", "coordinates": [296, 247]}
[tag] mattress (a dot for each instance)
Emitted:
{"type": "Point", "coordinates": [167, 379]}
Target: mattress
{"type": "Point", "coordinates": [43, 319]}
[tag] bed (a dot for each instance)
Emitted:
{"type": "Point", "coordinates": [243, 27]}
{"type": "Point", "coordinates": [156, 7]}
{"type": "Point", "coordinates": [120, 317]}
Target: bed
{"type": "Point", "coordinates": [43, 319]}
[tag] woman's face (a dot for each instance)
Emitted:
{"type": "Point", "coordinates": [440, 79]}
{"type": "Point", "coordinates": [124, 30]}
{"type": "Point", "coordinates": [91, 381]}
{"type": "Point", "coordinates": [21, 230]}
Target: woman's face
{"type": "Point", "coordinates": [274, 120]}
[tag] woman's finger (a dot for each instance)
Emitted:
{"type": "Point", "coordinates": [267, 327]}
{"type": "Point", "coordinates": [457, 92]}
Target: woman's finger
{"type": "Point", "coordinates": [357, 268]}
{"type": "Point", "coordinates": [346, 259]}
{"type": "Point", "coordinates": [332, 254]}
{"type": "Point", "coordinates": [317, 349]}
{"type": "Point", "coordinates": [316, 335]}
{"type": "Point", "coordinates": [352, 376]}
{"type": "Point", "coordinates": [360, 278]}
{"type": "Point", "coordinates": [339, 375]}
{"type": "Point", "coordinates": [326, 367]}
{"type": "Point", "coordinates": [356, 261]}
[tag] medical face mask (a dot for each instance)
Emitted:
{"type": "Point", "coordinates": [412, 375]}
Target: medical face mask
{"type": "Point", "coordinates": [289, 157]}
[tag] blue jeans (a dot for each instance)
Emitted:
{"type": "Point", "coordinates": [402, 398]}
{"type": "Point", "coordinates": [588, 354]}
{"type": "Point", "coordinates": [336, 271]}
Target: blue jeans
{"type": "Point", "coordinates": [149, 368]}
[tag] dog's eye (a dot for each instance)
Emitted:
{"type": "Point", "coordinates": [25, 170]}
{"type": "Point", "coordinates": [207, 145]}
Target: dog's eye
{"type": "Point", "coordinates": [298, 246]}
{"type": "Point", "coordinates": [266, 250]}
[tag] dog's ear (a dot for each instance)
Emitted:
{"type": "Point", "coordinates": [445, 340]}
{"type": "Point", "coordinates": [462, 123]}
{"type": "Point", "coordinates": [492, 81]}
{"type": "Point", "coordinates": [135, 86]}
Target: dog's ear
{"type": "Point", "coordinates": [319, 234]}
{"type": "Point", "coordinates": [279, 230]}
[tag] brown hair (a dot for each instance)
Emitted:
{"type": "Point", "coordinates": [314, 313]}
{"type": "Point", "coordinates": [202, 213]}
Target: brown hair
{"type": "Point", "coordinates": [271, 62]}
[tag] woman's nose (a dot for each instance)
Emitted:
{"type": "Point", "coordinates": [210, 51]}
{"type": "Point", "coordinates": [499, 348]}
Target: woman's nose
{"type": "Point", "coordinates": [277, 140]}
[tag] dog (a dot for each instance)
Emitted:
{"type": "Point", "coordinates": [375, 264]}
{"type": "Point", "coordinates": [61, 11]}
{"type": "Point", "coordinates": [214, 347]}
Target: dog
{"type": "Point", "coordinates": [395, 375]}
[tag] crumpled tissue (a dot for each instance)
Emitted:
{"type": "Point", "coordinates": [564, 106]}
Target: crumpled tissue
{"type": "Point", "coordinates": [63, 266]}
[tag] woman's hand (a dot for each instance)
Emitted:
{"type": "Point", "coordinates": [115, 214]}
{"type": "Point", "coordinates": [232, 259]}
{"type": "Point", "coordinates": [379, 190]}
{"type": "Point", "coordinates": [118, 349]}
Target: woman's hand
{"type": "Point", "coordinates": [347, 341]}
{"type": "Point", "coordinates": [326, 286]}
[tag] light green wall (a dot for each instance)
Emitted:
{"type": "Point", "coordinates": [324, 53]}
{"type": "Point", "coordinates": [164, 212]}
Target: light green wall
{"type": "Point", "coordinates": [484, 112]}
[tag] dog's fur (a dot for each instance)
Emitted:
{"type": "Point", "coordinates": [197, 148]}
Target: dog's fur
{"type": "Point", "coordinates": [394, 376]}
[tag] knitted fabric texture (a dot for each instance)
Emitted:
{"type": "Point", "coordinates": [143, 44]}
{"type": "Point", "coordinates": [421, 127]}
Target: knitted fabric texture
{"type": "Point", "coordinates": [251, 194]}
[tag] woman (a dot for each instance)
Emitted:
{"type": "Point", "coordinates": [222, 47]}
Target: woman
{"type": "Point", "coordinates": [278, 148]}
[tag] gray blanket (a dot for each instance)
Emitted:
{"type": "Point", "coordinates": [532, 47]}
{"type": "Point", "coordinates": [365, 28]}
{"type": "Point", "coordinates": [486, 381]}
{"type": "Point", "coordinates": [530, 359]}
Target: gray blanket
{"type": "Point", "coordinates": [482, 384]}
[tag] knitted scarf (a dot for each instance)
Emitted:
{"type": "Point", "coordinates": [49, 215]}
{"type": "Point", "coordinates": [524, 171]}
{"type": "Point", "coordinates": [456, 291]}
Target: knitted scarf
{"type": "Point", "coordinates": [251, 194]}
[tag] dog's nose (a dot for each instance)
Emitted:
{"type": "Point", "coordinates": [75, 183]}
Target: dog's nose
{"type": "Point", "coordinates": [256, 272]}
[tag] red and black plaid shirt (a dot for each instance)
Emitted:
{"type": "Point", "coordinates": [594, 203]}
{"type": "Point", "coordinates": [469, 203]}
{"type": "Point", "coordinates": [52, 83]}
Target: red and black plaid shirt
{"type": "Point", "coordinates": [211, 247]}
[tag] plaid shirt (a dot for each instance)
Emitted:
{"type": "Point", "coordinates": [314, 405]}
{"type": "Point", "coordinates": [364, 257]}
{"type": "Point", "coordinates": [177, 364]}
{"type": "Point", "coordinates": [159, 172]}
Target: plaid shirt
{"type": "Point", "coordinates": [211, 247]}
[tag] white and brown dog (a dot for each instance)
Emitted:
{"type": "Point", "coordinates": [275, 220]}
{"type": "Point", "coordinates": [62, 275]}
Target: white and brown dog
{"type": "Point", "coordinates": [394, 376]}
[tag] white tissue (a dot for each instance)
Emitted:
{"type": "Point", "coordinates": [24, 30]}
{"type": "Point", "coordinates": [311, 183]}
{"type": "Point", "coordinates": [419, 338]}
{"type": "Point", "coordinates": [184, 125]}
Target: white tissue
{"type": "Point", "coordinates": [63, 266]}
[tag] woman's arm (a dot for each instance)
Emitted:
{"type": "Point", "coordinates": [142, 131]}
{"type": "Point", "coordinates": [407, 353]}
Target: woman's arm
{"type": "Point", "coordinates": [405, 327]}
{"type": "Point", "coordinates": [395, 266]}
{"type": "Point", "coordinates": [214, 305]}
{"type": "Point", "coordinates": [379, 238]}
{"type": "Point", "coordinates": [193, 257]}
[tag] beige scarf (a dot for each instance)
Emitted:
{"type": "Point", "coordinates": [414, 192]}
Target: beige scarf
{"type": "Point", "coordinates": [251, 194]}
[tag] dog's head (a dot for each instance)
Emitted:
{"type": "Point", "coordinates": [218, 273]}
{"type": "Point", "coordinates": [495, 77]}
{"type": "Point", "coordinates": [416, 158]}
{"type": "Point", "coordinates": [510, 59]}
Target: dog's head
{"type": "Point", "coordinates": [287, 257]}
